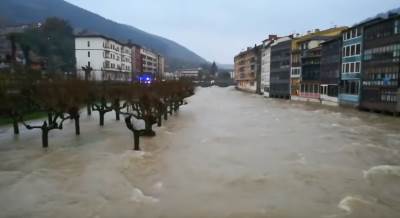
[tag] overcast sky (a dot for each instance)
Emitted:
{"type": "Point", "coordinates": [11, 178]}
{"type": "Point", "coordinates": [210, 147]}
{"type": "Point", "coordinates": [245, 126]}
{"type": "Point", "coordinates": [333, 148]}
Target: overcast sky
{"type": "Point", "coordinates": [218, 29]}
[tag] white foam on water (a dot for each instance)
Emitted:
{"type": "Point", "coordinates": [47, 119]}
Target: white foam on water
{"type": "Point", "coordinates": [169, 133]}
{"type": "Point", "coordinates": [348, 203]}
{"type": "Point", "coordinates": [383, 170]}
{"type": "Point", "coordinates": [138, 196]}
{"type": "Point", "coordinates": [384, 181]}
{"type": "Point", "coordinates": [129, 158]}
{"type": "Point", "coordinates": [158, 186]}
{"type": "Point", "coordinates": [335, 125]}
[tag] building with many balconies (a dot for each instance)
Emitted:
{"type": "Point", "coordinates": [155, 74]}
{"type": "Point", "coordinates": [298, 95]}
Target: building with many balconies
{"type": "Point", "coordinates": [280, 67]}
{"type": "Point", "coordinates": [300, 46]}
{"type": "Point", "coordinates": [149, 61]}
{"type": "Point", "coordinates": [330, 71]}
{"type": "Point", "coordinates": [380, 88]}
{"type": "Point", "coordinates": [248, 69]}
{"type": "Point", "coordinates": [266, 64]}
{"type": "Point", "coordinates": [108, 58]}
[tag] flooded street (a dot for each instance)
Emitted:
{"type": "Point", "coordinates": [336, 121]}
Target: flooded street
{"type": "Point", "coordinates": [225, 154]}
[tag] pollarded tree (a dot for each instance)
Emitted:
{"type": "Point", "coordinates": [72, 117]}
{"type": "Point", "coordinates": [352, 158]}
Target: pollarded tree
{"type": "Point", "coordinates": [102, 104]}
{"type": "Point", "coordinates": [75, 93]}
{"type": "Point", "coordinates": [116, 93]}
{"type": "Point", "coordinates": [15, 93]}
{"type": "Point", "coordinates": [88, 70]}
{"type": "Point", "coordinates": [144, 104]}
{"type": "Point", "coordinates": [136, 132]}
{"type": "Point", "coordinates": [132, 97]}
{"type": "Point", "coordinates": [50, 96]}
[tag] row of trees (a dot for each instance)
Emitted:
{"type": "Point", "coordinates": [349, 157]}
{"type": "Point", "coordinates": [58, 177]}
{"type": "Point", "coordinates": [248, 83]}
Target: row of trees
{"type": "Point", "coordinates": [64, 99]}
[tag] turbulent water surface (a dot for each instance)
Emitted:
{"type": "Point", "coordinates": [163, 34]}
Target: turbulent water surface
{"type": "Point", "coordinates": [226, 154]}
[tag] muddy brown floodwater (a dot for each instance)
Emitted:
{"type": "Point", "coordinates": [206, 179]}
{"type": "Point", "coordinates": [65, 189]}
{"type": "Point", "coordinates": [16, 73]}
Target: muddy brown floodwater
{"type": "Point", "coordinates": [226, 154]}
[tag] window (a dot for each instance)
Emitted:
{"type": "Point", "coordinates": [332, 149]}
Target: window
{"type": "Point", "coordinates": [353, 50]}
{"type": "Point", "coordinates": [316, 87]}
{"type": "Point", "coordinates": [88, 54]}
{"type": "Point", "coordinates": [347, 68]}
{"type": "Point", "coordinates": [88, 43]}
{"type": "Point", "coordinates": [397, 27]}
{"type": "Point", "coordinates": [358, 49]}
{"type": "Point", "coordinates": [88, 63]}
{"type": "Point", "coordinates": [347, 51]}
{"type": "Point", "coordinates": [352, 88]}
{"type": "Point", "coordinates": [352, 67]}
{"type": "Point", "coordinates": [353, 33]}
{"type": "Point", "coordinates": [358, 66]}
{"type": "Point", "coordinates": [359, 31]}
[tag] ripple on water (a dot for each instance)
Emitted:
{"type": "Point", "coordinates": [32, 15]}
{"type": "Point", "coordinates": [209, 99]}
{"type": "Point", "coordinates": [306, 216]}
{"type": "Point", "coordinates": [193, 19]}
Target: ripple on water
{"type": "Point", "coordinates": [385, 181]}
{"type": "Point", "coordinates": [138, 196]}
{"type": "Point", "coordinates": [360, 207]}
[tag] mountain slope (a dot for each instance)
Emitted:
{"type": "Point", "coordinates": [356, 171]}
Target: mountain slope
{"type": "Point", "coordinates": [28, 11]}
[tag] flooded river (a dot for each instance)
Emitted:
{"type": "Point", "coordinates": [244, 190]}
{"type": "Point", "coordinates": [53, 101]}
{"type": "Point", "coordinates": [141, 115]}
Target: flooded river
{"type": "Point", "coordinates": [226, 154]}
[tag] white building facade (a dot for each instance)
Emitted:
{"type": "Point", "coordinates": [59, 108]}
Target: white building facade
{"type": "Point", "coordinates": [108, 58]}
{"type": "Point", "coordinates": [149, 61]}
{"type": "Point", "coordinates": [189, 73]}
{"type": "Point", "coordinates": [266, 65]}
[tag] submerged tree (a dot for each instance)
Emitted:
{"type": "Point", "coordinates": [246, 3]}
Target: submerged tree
{"type": "Point", "coordinates": [88, 70]}
{"type": "Point", "coordinates": [117, 93]}
{"type": "Point", "coordinates": [101, 102]}
{"type": "Point", "coordinates": [15, 93]}
{"type": "Point", "coordinates": [75, 93]}
{"type": "Point", "coordinates": [136, 132]}
{"type": "Point", "coordinates": [50, 96]}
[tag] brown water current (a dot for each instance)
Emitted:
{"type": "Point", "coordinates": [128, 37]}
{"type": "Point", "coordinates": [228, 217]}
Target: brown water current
{"type": "Point", "coordinates": [225, 154]}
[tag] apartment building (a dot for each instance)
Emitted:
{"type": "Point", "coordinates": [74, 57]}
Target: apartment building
{"type": "Point", "coordinates": [266, 64]}
{"type": "Point", "coordinates": [189, 73]}
{"type": "Point", "coordinates": [136, 59]}
{"type": "Point", "coordinates": [161, 66]}
{"type": "Point", "coordinates": [381, 65]}
{"type": "Point", "coordinates": [248, 69]}
{"type": "Point", "coordinates": [280, 67]}
{"type": "Point", "coordinates": [109, 59]}
{"type": "Point", "coordinates": [308, 88]}
{"type": "Point", "coordinates": [149, 61]}
{"type": "Point", "coordinates": [331, 51]}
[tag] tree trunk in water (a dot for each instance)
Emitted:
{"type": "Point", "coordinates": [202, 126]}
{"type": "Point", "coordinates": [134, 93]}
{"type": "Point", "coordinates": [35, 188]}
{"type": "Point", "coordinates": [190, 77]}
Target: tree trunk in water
{"type": "Point", "coordinates": [89, 110]}
{"type": "Point", "coordinates": [50, 117]}
{"type": "Point", "coordinates": [45, 138]}
{"type": "Point", "coordinates": [101, 118]}
{"type": "Point", "coordinates": [16, 127]}
{"type": "Point", "coordinates": [77, 126]}
{"type": "Point", "coordinates": [149, 128]}
{"type": "Point", "coordinates": [166, 114]}
{"type": "Point", "coordinates": [159, 120]}
{"type": "Point", "coordinates": [136, 135]}
{"type": "Point", "coordinates": [117, 115]}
